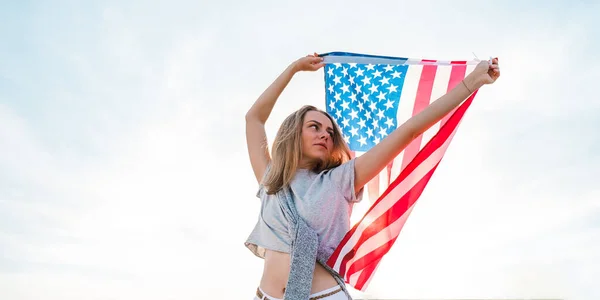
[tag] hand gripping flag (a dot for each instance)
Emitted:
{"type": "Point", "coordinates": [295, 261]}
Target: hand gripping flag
{"type": "Point", "coordinates": [370, 96]}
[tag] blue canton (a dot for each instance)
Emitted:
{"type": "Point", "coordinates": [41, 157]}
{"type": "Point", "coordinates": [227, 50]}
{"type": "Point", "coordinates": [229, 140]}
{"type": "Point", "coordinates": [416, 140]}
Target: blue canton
{"type": "Point", "coordinates": [363, 99]}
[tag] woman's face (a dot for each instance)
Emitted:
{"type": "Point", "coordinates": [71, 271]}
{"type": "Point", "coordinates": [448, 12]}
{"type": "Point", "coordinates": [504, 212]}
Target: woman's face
{"type": "Point", "coordinates": [317, 136]}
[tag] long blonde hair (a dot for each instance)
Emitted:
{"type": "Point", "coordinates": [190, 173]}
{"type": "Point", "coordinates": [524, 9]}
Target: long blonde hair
{"type": "Point", "coordinates": [287, 151]}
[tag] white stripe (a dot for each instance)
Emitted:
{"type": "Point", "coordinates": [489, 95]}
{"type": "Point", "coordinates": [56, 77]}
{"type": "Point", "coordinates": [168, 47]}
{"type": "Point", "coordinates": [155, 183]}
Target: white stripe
{"type": "Point", "coordinates": [332, 59]}
{"type": "Point", "coordinates": [383, 182]}
{"type": "Point", "coordinates": [413, 178]}
{"type": "Point", "coordinates": [440, 87]}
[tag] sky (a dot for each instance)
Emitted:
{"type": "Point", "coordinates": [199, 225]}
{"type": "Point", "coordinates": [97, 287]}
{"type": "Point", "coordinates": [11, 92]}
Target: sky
{"type": "Point", "coordinates": [123, 165]}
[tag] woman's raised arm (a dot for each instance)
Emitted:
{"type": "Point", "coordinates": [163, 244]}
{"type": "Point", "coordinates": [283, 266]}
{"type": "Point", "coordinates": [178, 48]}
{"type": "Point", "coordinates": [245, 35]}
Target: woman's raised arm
{"type": "Point", "coordinates": [257, 115]}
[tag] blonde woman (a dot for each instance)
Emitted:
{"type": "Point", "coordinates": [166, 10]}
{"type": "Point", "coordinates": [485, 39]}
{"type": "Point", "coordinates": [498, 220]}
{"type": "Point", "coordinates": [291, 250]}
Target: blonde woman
{"type": "Point", "coordinates": [309, 184]}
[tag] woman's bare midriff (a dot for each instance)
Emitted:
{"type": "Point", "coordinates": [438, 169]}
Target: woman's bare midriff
{"type": "Point", "coordinates": [276, 271]}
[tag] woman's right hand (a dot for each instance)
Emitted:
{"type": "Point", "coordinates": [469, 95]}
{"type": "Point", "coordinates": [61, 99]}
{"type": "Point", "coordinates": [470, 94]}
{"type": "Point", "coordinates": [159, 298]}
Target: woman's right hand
{"type": "Point", "coordinates": [309, 63]}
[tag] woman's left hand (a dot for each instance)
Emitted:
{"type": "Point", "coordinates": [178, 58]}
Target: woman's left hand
{"type": "Point", "coordinates": [485, 73]}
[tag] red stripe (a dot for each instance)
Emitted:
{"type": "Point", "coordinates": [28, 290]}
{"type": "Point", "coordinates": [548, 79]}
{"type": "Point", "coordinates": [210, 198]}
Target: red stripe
{"type": "Point", "coordinates": [456, 75]}
{"type": "Point", "coordinates": [422, 100]}
{"type": "Point", "coordinates": [366, 274]}
{"type": "Point", "coordinates": [438, 140]}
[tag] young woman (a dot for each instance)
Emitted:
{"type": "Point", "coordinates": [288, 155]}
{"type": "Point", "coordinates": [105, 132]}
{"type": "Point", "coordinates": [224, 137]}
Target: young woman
{"type": "Point", "coordinates": [309, 184]}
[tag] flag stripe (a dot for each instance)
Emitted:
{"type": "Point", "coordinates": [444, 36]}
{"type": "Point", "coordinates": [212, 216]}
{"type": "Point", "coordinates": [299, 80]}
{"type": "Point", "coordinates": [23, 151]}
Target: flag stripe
{"type": "Point", "coordinates": [421, 102]}
{"type": "Point", "coordinates": [456, 76]}
{"type": "Point", "coordinates": [360, 280]}
{"type": "Point", "coordinates": [405, 107]}
{"type": "Point", "coordinates": [440, 88]}
{"type": "Point", "coordinates": [348, 57]}
{"type": "Point", "coordinates": [373, 187]}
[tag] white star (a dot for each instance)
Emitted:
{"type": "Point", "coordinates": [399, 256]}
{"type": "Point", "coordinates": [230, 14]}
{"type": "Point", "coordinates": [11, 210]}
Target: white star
{"type": "Point", "coordinates": [376, 140]}
{"type": "Point", "coordinates": [357, 88]}
{"type": "Point", "coordinates": [380, 114]}
{"type": "Point", "coordinates": [373, 106]}
{"type": "Point", "coordinates": [392, 88]}
{"type": "Point", "coordinates": [354, 114]}
{"type": "Point", "coordinates": [345, 105]}
{"type": "Point", "coordinates": [331, 105]}
{"type": "Point", "coordinates": [388, 68]}
{"type": "Point", "coordinates": [396, 74]}
{"type": "Point", "coordinates": [366, 80]}
{"type": "Point", "coordinates": [370, 132]}
{"type": "Point", "coordinates": [338, 113]}
{"type": "Point", "coordinates": [351, 79]}
{"type": "Point", "coordinates": [354, 131]}
{"type": "Point", "coordinates": [359, 72]}
{"type": "Point", "coordinates": [346, 122]}
{"type": "Point", "coordinates": [384, 80]}
{"type": "Point", "coordinates": [382, 132]}
{"type": "Point", "coordinates": [331, 88]}
{"type": "Point", "coordinates": [337, 79]}
{"type": "Point", "coordinates": [345, 71]}
{"type": "Point", "coordinates": [375, 124]}
{"type": "Point", "coordinates": [330, 72]}
{"type": "Point", "coordinates": [352, 97]}
{"type": "Point", "coordinates": [352, 65]}
{"type": "Point", "coordinates": [347, 139]}
{"type": "Point", "coordinates": [370, 67]}
{"type": "Point", "coordinates": [389, 104]}
{"type": "Point", "coordinates": [368, 115]}
{"type": "Point", "coordinates": [376, 74]}
{"type": "Point", "coordinates": [365, 97]}
{"type": "Point", "coordinates": [345, 88]}
{"type": "Point", "coordinates": [361, 123]}
{"type": "Point", "coordinates": [360, 106]}
{"type": "Point", "coordinates": [337, 65]}
{"type": "Point", "coordinates": [362, 140]}
{"type": "Point", "coordinates": [389, 122]}
{"type": "Point", "coordinates": [373, 88]}
{"type": "Point", "coordinates": [337, 96]}
{"type": "Point", "coordinates": [381, 96]}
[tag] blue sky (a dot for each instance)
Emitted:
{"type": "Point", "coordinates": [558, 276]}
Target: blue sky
{"type": "Point", "coordinates": [123, 171]}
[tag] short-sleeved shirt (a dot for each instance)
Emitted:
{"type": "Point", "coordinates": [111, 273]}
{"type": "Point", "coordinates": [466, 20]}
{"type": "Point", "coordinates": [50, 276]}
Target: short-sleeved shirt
{"type": "Point", "coordinates": [323, 200]}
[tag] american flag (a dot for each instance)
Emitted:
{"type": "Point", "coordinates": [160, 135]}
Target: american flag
{"type": "Point", "coordinates": [370, 96]}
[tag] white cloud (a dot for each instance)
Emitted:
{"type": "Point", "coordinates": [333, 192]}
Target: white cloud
{"type": "Point", "coordinates": [124, 172]}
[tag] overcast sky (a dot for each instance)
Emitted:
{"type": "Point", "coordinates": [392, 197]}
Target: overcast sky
{"type": "Point", "coordinates": [124, 172]}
